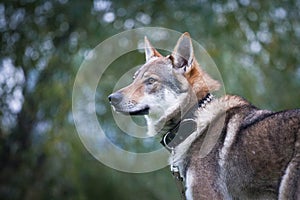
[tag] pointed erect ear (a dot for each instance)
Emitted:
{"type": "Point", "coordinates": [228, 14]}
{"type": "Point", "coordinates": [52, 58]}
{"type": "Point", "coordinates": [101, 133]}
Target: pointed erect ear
{"type": "Point", "coordinates": [150, 51]}
{"type": "Point", "coordinates": [183, 53]}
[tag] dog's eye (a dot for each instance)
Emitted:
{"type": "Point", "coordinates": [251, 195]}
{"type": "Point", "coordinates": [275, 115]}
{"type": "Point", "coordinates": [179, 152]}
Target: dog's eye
{"type": "Point", "coordinates": [150, 81]}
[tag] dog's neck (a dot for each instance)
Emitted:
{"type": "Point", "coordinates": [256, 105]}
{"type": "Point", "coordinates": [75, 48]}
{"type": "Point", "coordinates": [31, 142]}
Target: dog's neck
{"type": "Point", "coordinates": [178, 129]}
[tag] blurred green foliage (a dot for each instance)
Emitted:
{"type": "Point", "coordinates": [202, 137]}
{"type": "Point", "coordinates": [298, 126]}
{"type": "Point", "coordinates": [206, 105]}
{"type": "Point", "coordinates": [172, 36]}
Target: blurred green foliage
{"type": "Point", "coordinates": [255, 44]}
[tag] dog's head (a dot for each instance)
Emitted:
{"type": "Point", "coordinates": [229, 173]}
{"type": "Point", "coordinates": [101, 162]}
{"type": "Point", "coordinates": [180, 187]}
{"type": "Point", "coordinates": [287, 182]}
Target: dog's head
{"type": "Point", "coordinates": [164, 85]}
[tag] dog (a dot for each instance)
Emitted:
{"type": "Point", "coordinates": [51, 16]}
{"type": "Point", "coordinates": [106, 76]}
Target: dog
{"type": "Point", "coordinates": [223, 148]}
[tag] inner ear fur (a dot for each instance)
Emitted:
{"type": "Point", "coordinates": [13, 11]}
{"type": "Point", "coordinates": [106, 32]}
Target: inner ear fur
{"type": "Point", "coordinates": [183, 53]}
{"type": "Point", "coordinates": [150, 51]}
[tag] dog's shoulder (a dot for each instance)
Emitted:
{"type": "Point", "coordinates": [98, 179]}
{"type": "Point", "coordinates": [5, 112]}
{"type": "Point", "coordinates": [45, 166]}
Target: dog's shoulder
{"type": "Point", "coordinates": [206, 119]}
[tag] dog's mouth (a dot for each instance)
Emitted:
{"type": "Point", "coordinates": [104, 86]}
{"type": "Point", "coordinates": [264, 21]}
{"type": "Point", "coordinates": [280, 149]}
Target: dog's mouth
{"type": "Point", "coordinates": [144, 111]}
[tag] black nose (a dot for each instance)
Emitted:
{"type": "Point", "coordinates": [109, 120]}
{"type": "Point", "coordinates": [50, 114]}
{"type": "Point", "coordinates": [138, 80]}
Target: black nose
{"type": "Point", "coordinates": [115, 98]}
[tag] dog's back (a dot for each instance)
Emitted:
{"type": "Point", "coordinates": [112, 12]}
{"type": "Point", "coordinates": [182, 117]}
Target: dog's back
{"type": "Point", "coordinates": [256, 157]}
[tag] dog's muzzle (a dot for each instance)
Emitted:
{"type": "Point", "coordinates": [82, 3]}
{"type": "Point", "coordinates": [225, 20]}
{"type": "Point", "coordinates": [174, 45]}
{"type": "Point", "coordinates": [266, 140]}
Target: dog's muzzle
{"type": "Point", "coordinates": [117, 101]}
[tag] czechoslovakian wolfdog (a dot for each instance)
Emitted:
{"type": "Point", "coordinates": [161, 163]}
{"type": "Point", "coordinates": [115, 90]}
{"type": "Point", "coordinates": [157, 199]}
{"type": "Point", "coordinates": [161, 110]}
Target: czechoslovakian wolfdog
{"type": "Point", "coordinates": [255, 153]}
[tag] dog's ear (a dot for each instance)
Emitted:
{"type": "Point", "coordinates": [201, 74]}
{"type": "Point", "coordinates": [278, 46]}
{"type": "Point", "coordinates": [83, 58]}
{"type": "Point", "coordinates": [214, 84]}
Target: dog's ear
{"type": "Point", "coordinates": [183, 53]}
{"type": "Point", "coordinates": [150, 51]}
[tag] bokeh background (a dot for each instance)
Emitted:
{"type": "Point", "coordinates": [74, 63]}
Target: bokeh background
{"type": "Point", "coordinates": [255, 44]}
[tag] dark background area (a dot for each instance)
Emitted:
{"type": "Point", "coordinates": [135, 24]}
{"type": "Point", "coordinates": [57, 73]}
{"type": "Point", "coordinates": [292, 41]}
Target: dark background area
{"type": "Point", "coordinates": [255, 45]}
